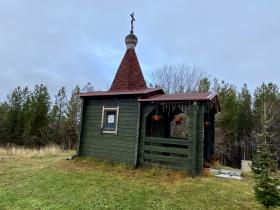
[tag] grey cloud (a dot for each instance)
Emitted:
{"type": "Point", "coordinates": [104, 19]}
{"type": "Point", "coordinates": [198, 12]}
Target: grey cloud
{"type": "Point", "coordinates": [71, 42]}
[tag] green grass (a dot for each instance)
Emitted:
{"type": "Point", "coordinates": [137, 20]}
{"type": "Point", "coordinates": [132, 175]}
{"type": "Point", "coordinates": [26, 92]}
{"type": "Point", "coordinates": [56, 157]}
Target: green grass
{"type": "Point", "coordinates": [51, 182]}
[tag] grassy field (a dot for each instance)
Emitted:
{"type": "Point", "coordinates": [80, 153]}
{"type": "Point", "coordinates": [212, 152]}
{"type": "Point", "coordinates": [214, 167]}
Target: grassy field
{"type": "Point", "coordinates": [45, 180]}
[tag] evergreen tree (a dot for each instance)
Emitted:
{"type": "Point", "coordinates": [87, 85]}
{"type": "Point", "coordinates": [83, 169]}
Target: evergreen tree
{"type": "Point", "coordinates": [58, 117]}
{"type": "Point", "coordinates": [15, 117]}
{"type": "Point", "coordinates": [267, 189]}
{"type": "Point", "coordinates": [26, 115]}
{"type": "Point", "coordinates": [14, 123]}
{"type": "Point", "coordinates": [73, 117]}
{"type": "Point", "coordinates": [245, 123]}
{"type": "Point", "coordinates": [204, 85]}
{"type": "Point", "coordinates": [3, 123]}
{"type": "Point", "coordinates": [226, 122]}
{"type": "Point", "coordinates": [39, 121]}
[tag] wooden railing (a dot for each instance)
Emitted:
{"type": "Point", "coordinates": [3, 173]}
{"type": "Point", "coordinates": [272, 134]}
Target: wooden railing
{"type": "Point", "coordinates": [167, 152]}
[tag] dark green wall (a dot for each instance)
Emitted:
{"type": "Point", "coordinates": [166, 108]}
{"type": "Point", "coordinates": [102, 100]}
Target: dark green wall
{"type": "Point", "coordinates": [200, 138]}
{"type": "Point", "coordinates": [122, 147]}
{"type": "Point", "coordinates": [111, 147]}
{"type": "Point", "coordinates": [193, 163]}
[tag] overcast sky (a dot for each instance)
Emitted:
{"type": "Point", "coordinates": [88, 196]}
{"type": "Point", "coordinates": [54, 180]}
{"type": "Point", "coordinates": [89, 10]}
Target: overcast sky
{"type": "Point", "coordinates": [66, 42]}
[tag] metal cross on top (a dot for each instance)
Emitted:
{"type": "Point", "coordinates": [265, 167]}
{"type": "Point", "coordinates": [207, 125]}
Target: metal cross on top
{"type": "Point", "coordinates": [132, 20]}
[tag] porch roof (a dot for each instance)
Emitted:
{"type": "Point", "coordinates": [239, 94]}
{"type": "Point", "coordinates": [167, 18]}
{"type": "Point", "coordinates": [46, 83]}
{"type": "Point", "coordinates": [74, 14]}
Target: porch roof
{"type": "Point", "coordinates": [182, 97]}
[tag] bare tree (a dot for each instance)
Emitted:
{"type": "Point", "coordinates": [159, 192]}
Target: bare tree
{"type": "Point", "coordinates": [269, 95]}
{"type": "Point", "coordinates": [88, 88]}
{"type": "Point", "coordinates": [178, 78]}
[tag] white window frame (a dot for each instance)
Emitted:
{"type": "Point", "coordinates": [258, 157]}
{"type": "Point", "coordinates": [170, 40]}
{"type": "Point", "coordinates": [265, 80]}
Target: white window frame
{"type": "Point", "coordinates": [117, 119]}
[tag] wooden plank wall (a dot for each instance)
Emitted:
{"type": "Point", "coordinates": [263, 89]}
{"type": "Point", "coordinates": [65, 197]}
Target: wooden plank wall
{"type": "Point", "coordinates": [104, 146]}
{"type": "Point", "coordinates": [199, 139]}
{"type": "Point", "coordinates": [182, 154]}
{"type": "Point", "coordinates": [167, 152]}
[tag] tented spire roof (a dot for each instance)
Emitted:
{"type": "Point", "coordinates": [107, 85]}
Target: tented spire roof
{"type": "Point", "coordinates": [129, 75]}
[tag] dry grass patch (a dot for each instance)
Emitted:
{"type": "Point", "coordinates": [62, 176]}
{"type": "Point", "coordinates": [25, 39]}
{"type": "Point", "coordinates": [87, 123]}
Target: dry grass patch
{"type": "Point", "coordinates": [162, 176]}
{"type": "Point", "coordinates": [16, 152]}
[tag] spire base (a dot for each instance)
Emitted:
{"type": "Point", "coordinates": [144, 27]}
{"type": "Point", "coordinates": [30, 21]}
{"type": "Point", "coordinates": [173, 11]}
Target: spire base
{"type": "Point", "coordinates": [131, 41]}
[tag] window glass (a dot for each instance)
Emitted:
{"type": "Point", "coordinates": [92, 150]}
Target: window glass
{"type": "Point", "coordinates": [110, 120]}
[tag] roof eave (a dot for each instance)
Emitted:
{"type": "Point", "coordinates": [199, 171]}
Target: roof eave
{"type": "Point", "coordinates": [118, 93]}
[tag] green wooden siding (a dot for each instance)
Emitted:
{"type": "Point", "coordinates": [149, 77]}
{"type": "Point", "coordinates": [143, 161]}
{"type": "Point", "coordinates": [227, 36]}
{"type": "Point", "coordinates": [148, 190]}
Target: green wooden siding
{"type": "Point", "coordinates": [182, 154]}
{"type": "Point", "coordinates": [199, 139]}
{"type": "Point", "coordinates": [133, 147]}
{"type": "Point", "coordinates": [193, 137]}
{"type": "Point", "coordinates": [118, 147]}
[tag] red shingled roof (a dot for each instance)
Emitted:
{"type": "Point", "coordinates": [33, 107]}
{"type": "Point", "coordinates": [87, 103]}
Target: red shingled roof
{"type": "Point", "coordinates": [129, 75]}
{"type": "Point", "coordinates": [182, 97]}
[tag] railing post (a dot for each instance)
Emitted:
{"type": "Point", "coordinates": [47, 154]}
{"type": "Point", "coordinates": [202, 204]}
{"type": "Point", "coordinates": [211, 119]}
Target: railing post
{"type": "Point", "coordinates": [200, 139]}
{"type": "Point", "coordinates": [193, 137]}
